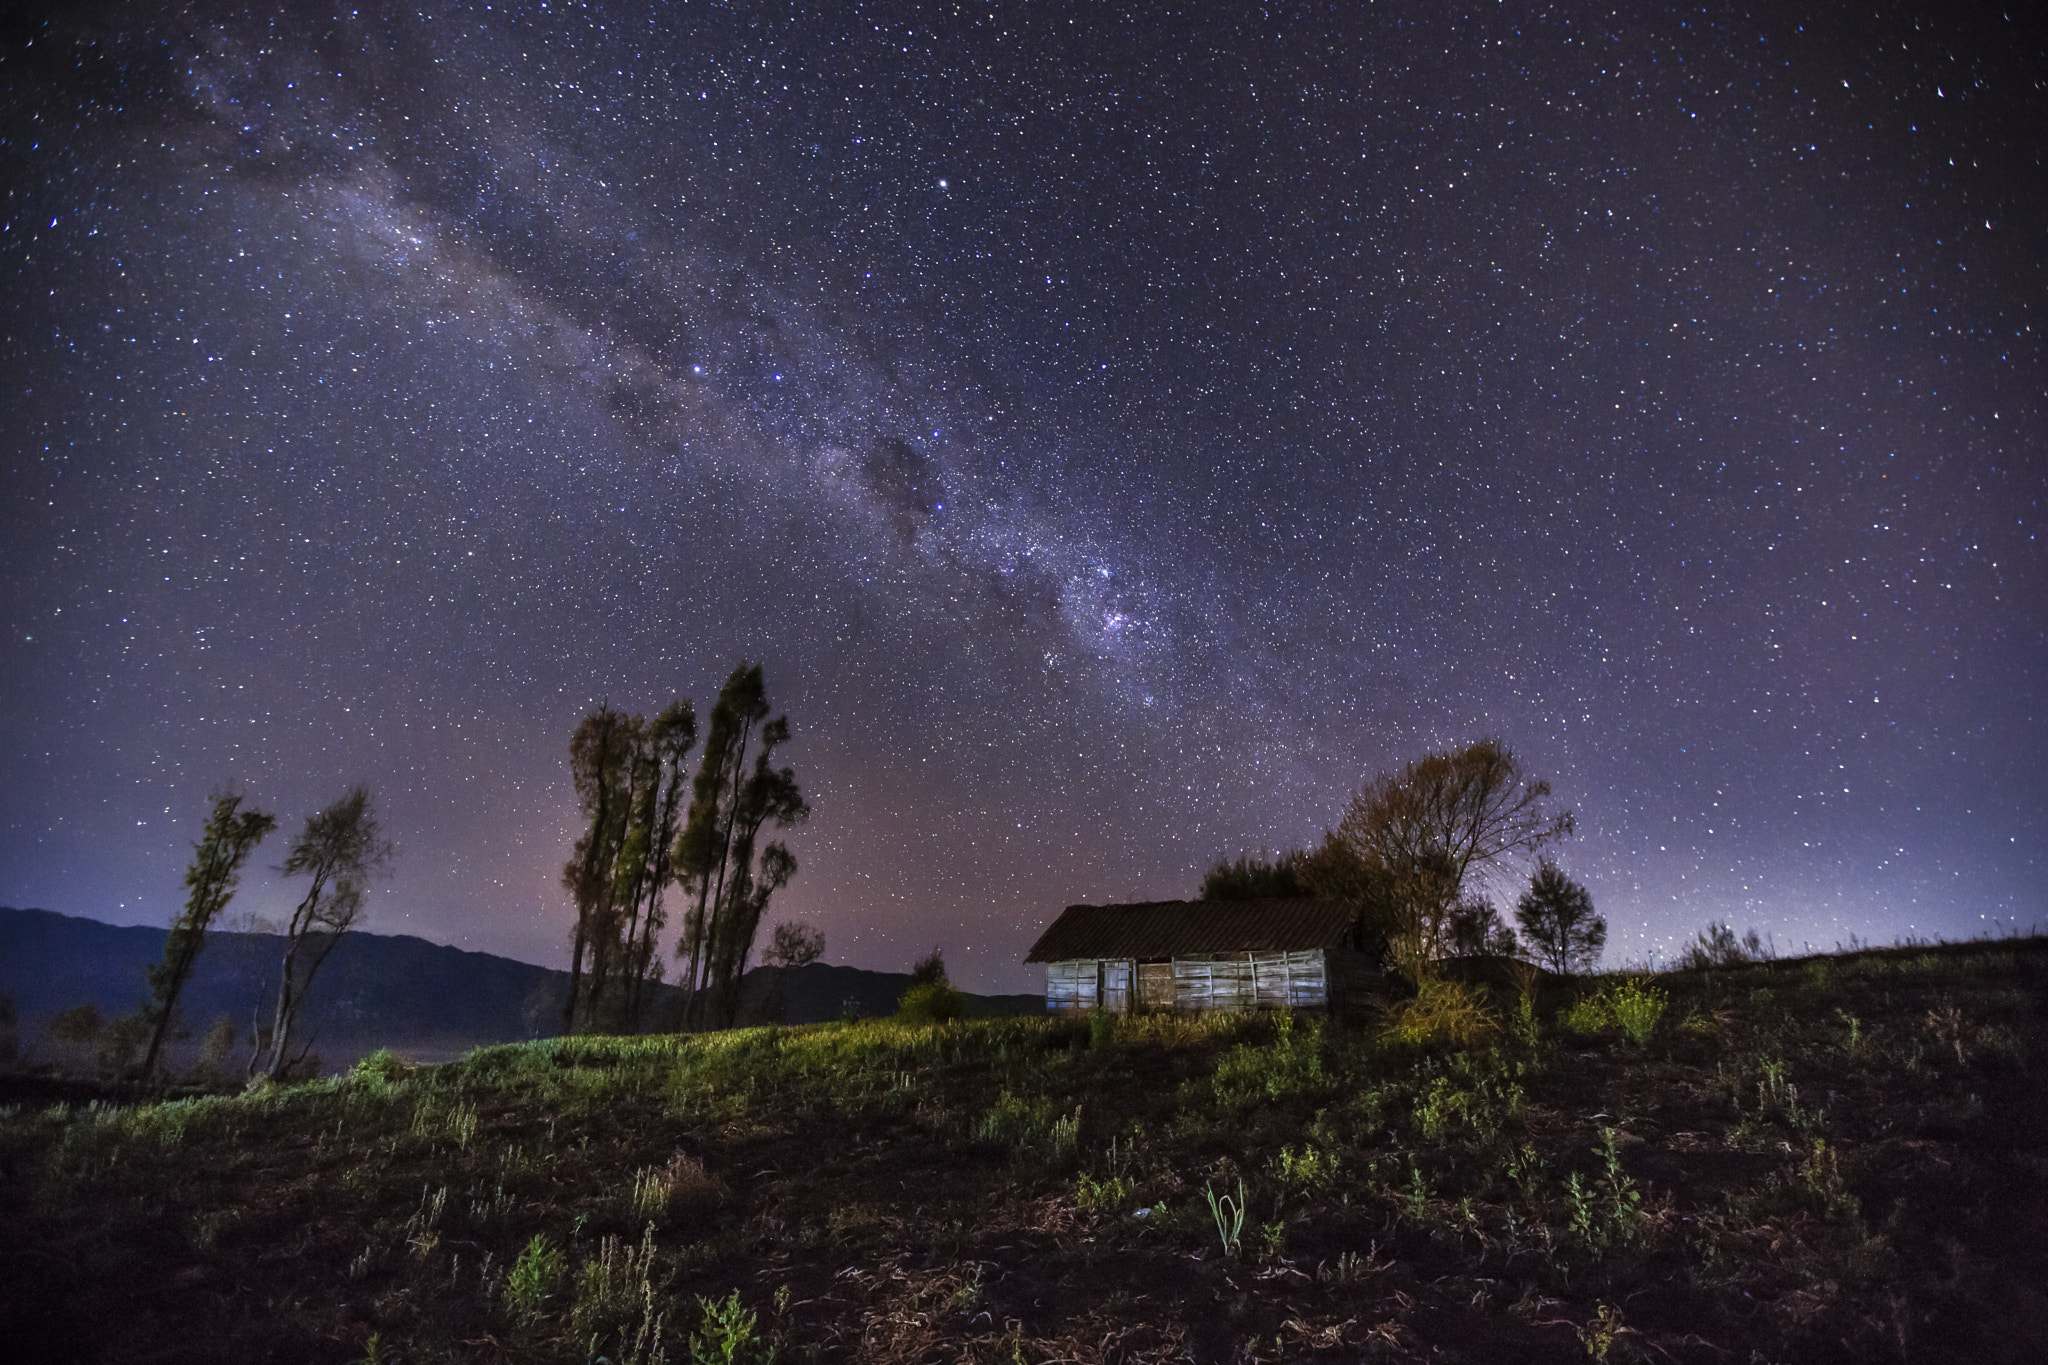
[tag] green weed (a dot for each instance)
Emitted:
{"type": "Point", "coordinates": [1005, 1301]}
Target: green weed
{"type": "Point", "coordinates": [727, 1335]}
{"type": "Point", "coordinates": [1102, 1196]}
{"type": "Point", "coordinates": [1631, 1005]}
{"type": "Point", "coordinates": [1313, 1168]}
{"type": "Point", "coordinates": [535, 1280]}
{"type": "Point", "coordinates": [1820, 1177]}
{"type": "Point", "coordinates": [1606, 1211]}
{"type": "Point", "coordinates": [1635, 1008]}
{"type": "Point", "coordinates": [1228, 1211]}
{"type": "Point", "coordinates": [1417, 1197]}
{"type": "Point", "coordinates": [1601, 1331]}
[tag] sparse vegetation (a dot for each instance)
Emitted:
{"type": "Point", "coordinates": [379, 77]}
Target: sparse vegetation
{"type": "Point", "coordinates": [1807, 1165]}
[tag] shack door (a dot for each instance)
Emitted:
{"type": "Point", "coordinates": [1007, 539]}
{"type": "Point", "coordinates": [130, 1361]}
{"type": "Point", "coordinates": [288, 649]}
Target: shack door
{"type": "Point", "coordinates": [1155, 985]}
{"type": "Point", "coordinates": [1116, 985]}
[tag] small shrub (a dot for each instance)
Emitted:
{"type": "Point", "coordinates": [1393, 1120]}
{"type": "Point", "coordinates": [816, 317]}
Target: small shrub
{"type": "Point", "coordinates": [1717, 946]}
{"type": "Point", "coordinates": [1636, 1008]}
{"type": "Point", "coordinates": [382, 1065]}
{"type": "Point", "coordinates": [1101, 1028]}
{"type": "Point", "coordinates": [727, 1335]}
{"type": "Point", "coordinates": [931, 1002]}
{"type": "Point", "coordinates": [1313, 1168]}
{"type": "Point", "coordinates": [661, 1192]}
{"type": "Point", "coordinates": [1698, 1024]}
{"type": "Point", "coordinates": [1444, 1012]}
{"type": "Point", "coordinates": [1587, 1016]}
{"type": "Point", "coordinates": [1102, 1196]}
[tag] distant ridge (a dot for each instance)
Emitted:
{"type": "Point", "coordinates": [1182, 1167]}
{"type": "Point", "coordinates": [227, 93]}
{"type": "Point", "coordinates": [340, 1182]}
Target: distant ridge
{"type": "Point", "coordinates": [377, 990]}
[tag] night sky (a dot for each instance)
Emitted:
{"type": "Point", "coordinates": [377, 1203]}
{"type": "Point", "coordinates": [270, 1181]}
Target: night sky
{"type": "Point", "coordinates": [1118, 437]}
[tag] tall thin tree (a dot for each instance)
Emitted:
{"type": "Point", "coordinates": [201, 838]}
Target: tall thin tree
{"type": "Point", "coordinates": [648, 860]}
{"type": "Point", "coordinates": [343, 849]}
{"type": "Point", "coordinates": [630, 776]}
{"type": "Point", "coordinates": [231, 834]}
{"type": "Point", "coordinates": [600, 761]}
{"type": "Point", "coordinates": [716, 853]}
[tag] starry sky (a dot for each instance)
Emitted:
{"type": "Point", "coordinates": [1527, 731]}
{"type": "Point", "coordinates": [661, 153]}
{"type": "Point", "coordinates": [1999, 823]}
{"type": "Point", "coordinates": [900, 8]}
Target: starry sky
{"type": "Point", "coordinates": [1118, 430]}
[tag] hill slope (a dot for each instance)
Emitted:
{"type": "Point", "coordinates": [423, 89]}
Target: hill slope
{"type": "Point", "coordinates": [1820, 1161]}
{"type": "Point", "coordinates": [377, 990]}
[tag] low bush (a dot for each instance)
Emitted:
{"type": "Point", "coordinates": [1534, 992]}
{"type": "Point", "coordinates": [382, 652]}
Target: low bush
{"type": "Point", "coordinates": [931, 1002]}
{"type": "Point", "coordinates": [1446, 1013]}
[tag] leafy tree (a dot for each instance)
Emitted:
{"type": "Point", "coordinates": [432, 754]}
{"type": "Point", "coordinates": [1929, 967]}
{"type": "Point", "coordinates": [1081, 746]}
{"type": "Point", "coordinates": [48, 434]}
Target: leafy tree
{"type": "Point", "coordinates": [1411, 841]}
{"type": "Point", "coordinates": [1556, 915]}
{"type": "Point", "coordinates": [1251, 879]}
{"type": "Point", "coordinates": [930, 998]}
{"type": "Point", "coordinates": [929, 969]}
{"type": "Point", "coordinates": [718, 856]}
{"type": "Point", "coordinates": [342, 849]}
{"type": "Point", "coordinates": [792, 945]}
{"type": "Point", "coordinates": [1475, 928]}
{"type": "Point", "coordinates": [231, 834]}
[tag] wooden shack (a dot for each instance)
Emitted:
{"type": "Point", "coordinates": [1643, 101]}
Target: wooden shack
{"type": "Point", "coordinates": [1194, 956]}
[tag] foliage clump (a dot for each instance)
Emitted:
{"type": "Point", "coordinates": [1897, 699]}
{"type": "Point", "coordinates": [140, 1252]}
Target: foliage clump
{"type": "Point", "coordinates": [931, 998]}
{"type": "Point", "coordinates": [1631, 1005]}
{"type": "Point", "coordinates": [1246, 878]}
{"type": "Point", "coordinates": [1412, 843]}
{"type": "Point", "coordinates": [1717, 946]}
{"type": "Point", "coordinates": [1444, 1013]}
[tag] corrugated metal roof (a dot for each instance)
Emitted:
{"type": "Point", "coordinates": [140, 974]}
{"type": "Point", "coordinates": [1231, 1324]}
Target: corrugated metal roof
{"type": "Point", "coordinates": [1155, 930]}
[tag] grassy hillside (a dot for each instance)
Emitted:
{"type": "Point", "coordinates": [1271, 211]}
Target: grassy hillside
{"type": "Point", "coordinates": [377, 990]}
{"type": "Point", "coordinates": [1830, 1159]}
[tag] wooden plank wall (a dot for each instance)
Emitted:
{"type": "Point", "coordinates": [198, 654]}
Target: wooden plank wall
{"type": "Point", "coordinates": [1252, 981]}
{"type": "Point", "coordinates": [1309, 979]}
{"type": "Point", "coordinates": [1070, 987]}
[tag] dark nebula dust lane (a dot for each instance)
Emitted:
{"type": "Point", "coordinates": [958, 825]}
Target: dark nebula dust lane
{"type": "Point", "coordinates": [1118, 435]}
